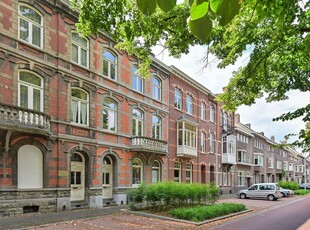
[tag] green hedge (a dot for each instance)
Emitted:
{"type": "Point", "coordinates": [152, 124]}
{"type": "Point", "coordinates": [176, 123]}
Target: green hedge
{"type": "Point", "coordinates": [301, 192]}
{"type": "Point", "coordinates": [201, 213]}
{"type": "Point", "coordinates": [165, 195]}
{"type": "Point", "coordinates": [289, 185]}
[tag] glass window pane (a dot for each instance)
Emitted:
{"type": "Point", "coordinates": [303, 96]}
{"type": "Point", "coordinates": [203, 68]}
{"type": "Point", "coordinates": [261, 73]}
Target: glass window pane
{"type": "Point", "coordinates": [30, 14]}
{"type": "Point", "coordinates": [30, 78]}
{"type": "Point", "coordinates": [24, 30]}
{"type": "Point", "coordinates": [134, 83]}
{"type": "Point", "coordinates": [78, 178]}
{"type": "Point", "coordinates": [37, 100]}
{"type": "Point", "coordinates": [83, 57]}
{"type": "Point", "coordinates": [113, 72]}
{"type": "Point", "coordinates": [107, 178]}
{"type": "Point", "coordinates": [72, 177]}
{"type": "Point", "coordinates": [105, 119]}
{"type": "Point", "coordinates": [83, 114]}
{"type": "Point", "coordinates": [109, 56]}
{"type": "Point", "coordinates": [75, 57]}
{"type": "Point", "coordinates": [24, 96]}
{"type": "Point", "coordinates": [36, 35]}
{"type": "Point", "coordinates": [105, 68]}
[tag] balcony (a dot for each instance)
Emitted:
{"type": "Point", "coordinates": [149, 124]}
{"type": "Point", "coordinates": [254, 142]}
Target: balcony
{"type": "Point", "coordinates": [228, 129]}
{"type": "Point", "coordinates": [24, 120]}
{"type": "Point", "coordinates": [244, 162]}
{"type": "Point", "coordinates": [228, 158]}
{"type": "Point", "coordinates": [186, 151]}
{"type": "Point", "coordinates": [146, 144]}
{"type": "Point", "coordinates": [258, 168]}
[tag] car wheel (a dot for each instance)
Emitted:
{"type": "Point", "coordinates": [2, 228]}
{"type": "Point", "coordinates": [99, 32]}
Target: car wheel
{"type": "Point", "coordinates": [242, 196]}
{"type": "Point", "coordinates": [271, 197]}
{"type": "Point", "coordinates": [282, 194]}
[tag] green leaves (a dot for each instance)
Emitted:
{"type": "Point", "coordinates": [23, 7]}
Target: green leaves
{"type": "Point", "coordinates": [225, 9]}
{"type": "Point", "coordinates": [199, 11]}
{"type": "Point", "coordinates": [201, 28]}
{"type": "Point", "coordinates": [148, 7]}
{"type": "Point", "coordinates": [166, 5]}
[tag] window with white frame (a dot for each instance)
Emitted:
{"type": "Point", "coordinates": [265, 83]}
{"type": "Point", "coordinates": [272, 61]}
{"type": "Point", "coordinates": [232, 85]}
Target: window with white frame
{"type": "Point", "coordinates": [109, 64]}
{"type": "Point", "coordinates": [279, 164]}
{"type": "Point", "coordinates": [224, 144]}
{"type": "Point", "coordinates": [79, 106]}
{"type": "Point", "coordinates": [30, 25]}
{"type": "Point", "coordinates": [290, 166]}
{"type": "Point", "coordinates": [221, 118]}
{"type": "Point", "coordinates": [137, 123]}
{"type": "Point", "coordinates": [137, 81]}
{"type": "Point", "coordinates": [189, 104]}
{"type": "Point", "coordinates": [187, 134]}
{"type": "Point", "coordinates": [30, 91]}
{"type": "Point", "coordinates": [212, 113]}
{"type": "Point", "coordinates": [203, 111]}
{"type": "Point", "coordinates": [270, 162]}
{"type": "Point", "coordinates": [80, 50]}
{"type": "Point", "coordinates": [137, 172]}
{"type": "Point", "coordinates": [156, 127]}
{"type": "Point", "coordinates": [109, 113]}
{"type": "Point", "coordinates": [156, 174]}
{"type": "Point", "coordinates": [177, 172]}
{"type": "Point", "coordinates": [156, 88]}
{"type": "Point", "coordinates": [212, 143]}
{"type": "Point", "coordinates": [241, 178]}
{"type": "Point", "coordinates": [225, 121]}
{"type": "Point", "coordinates": [229, 120]}
{"type": "Point", "coordinates": [258, 159]}
{"type": "Point", "coordinates": [296, 168]}
{"type": "Point", "coordinates": [242, 157]}
{"type": "Point", "coordinates": [189, 172]}
{"type": "Point", "coordinates": [177, 99]}
{"type": "Point", "coordinates": [285, 165]}
{"type": "Point", "coordinates": [203, 142]}
{"type": "Point", "coordinates": [301, 168]}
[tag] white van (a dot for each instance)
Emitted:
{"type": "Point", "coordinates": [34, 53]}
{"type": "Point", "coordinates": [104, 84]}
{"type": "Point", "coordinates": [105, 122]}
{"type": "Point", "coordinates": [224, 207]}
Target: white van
{"type": "Point", "coordinates": [271, 191]}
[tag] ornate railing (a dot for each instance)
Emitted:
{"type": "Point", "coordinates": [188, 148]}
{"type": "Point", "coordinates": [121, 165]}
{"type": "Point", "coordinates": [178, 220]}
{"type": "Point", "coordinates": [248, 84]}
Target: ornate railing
{"type": "Point", "coordinates": [22, 118]}
{"type": "Point", "coordinates": [149, 145]}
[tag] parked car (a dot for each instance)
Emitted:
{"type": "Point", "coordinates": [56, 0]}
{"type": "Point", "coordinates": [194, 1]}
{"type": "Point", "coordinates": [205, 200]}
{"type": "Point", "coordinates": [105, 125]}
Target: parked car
{"type": "Point", "coordinates": [303, 185]}
{"type": "Point", "coordinates": [271, 191]}
{"type": "Point", "coordinates": [286, 192]}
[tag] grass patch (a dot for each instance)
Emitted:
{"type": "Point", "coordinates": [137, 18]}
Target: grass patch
{"type": "Point", "coordinates": [201, 213]}
{"type": "Point", "coordinates": [301, 192]}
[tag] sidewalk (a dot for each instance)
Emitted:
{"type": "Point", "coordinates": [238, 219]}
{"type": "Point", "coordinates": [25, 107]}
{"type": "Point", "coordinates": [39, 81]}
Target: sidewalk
{"type": "Point", "coordinates": [37, 219]}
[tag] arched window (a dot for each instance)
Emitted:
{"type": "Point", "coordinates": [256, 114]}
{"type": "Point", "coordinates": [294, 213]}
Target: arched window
{"type": "Point", "coordinates": [79, 106]}
{"type": "Point", "coordinates": [109, 65]}
{"type": "Point", "coordinates": [212, 113]}
{"type": "Point", "coordinates": [30, 91]}
{"type": "Point", "coordinates": [212, 143]}
{"type": "Point", "coordinates": [137, 170]}
{"type": "Point", "coordinates": [156, 127]}
{"type": "Point", "coordinates": [189, 104]}
{"type": "Point", "coordinates": [30, 25]}
{"type": "Point", "coordinates": [29, 167]}
{"type": "Point", "coordinates": [177, 99]}
{"type": "Point", "coordinates": [156, 175]}
{"type": "Point", "coordinates": [156, 88]}
{"type": "Point", "coordinates": [203, 111]}
{"type": "Point", "coordinates": [109, 113]}
{"type": "Point", "coordinates": [80, 50]}
{"type": "Point", "coordinates": [137, 122]}
{"type": "Point", "coordinates": [137, 81]}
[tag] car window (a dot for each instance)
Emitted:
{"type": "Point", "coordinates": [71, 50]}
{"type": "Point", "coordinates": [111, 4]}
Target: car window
{"type": "Point", "coordinates": [269, 187]}
{"type": "Point", "coordinates": [254, 187]}
{"type": "Point", "coordinates": [262, 187]}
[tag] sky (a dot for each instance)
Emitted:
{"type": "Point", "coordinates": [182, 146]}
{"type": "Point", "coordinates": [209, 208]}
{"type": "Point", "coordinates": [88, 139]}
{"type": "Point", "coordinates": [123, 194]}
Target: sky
{"type": "Point", "coordinates": [258, 115]}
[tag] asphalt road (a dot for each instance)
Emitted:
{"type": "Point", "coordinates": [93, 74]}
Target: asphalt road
{"type": "Point", "coordinates": [288, 216]}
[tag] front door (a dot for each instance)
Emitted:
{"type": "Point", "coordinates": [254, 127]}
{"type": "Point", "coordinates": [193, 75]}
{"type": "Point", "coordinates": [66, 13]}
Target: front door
{"type": "Point", "coordinates": [77, 177]}
{"type": "Point", "coordinates": [107, 177]}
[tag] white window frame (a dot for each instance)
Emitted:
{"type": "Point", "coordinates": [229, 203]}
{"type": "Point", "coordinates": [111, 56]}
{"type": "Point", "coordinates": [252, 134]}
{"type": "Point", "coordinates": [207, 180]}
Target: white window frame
{"type": "Point", "coordinates": [203, 108]}
{"type": "Point", "coordinates": [79, 103]}
{"type": "Point", "coordinates": [212, 113]}
{"type": "Point", "coordinates": [244, 156]}
{"type": "Point", "coordinates": [260, 159]}
{"type": "Point", "coordinates": [203, 143]}
{"type": "Point", "coordinates": [158, 169]}
{"type": "Point", "coordinates": [31, 24]}
{"type": "Point", "coordinates": [188, 134]}
{"type": "Point", "coordinates": [241, 178]}
{"type": "Point", "coordinates": [138, 122]}
{"type": "Point", "coordinates": [212, 142]}
{"type": "Point", "coordinates": [110, 113]}
{"type": "Point", "coordinates": [139, 167]}
{"type": "Point", "coordinates": [189, 173]}
{"type": "Point", "coordinates": [110, 64]}
{"type": "Point", "coordinates": [177, 99]}
{"type": "Point", "coordinates": [189, 105]}
{"type": "Point", "coordinates": [156, 127]}
{"type": "Point", "coordinates": [177, 167]}
{"type": "Point", "coordinates": [270, 163]}
{"type": "Point", "coordinates": [80, 47]}
{"type": "Point", "coordinates": [279, 164]}
{"type": "Point", "coordinates": [137, 80]}
{"type": "Point", "coordinates": [30, 88]}
{"type": "Point", "coordinates": [156, 89]}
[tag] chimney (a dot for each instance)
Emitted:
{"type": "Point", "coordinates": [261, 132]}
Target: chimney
{"type": "Point", "coordinates": [248, 125]}
{"type": "Point", "coordinates": [262, 133]}
{"type": "Point", "coordinates": [272, 138]}
{"type": "Point", "coordinates": [237, 117]}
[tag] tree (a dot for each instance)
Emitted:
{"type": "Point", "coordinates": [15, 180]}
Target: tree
{"type": "Point", "coordinates": [276, 33]}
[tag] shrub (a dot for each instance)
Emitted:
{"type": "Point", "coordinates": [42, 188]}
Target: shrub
{"type": "Point", "coordinates": [289, 185]}
{"type": "Point", "coordinates": [201, 213]}
{"type": "Point", "coordinates": [301, 192]}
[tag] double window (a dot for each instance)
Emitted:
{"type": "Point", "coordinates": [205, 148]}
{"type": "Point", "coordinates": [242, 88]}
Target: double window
{"type": "Point", "coordinates": [79, 106]}
{"type": "Point", "coordinates": [137, 123]}
{"type": "Point", "coordinates": [109, 115]}
{"type": "Point", "coordinates": [241, 178]}
{"type": "Point", "coordinates": [177, 99]}
{"type": "Point", "coordinates": [156, 88]}
{"type": "Point", "coordinates": [258, 160]}
{"type": "Point", "coordinates": [156, 127]}
{"type": "Point", "coordinates": [189, 104]}
{"type": "Point", "coordinates": [30, 90]}
{"type": "Point", "coordinates": [156, 175]}
{"type": "Point", "coordinates": [109, 65]}
{"type": "Point", "coordinates": [137, 81]}
{"type": "Point", "coordinates": [80, 50]}
{"type": "Point", "coordinates": [187, 134]}
{"type": "Point", "coordinates": [30, 26]}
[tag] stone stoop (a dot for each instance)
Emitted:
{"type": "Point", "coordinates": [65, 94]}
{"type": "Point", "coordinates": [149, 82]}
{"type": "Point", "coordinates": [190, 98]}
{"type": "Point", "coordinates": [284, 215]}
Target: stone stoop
{"type": "Point", "coordinates": [109, 202]}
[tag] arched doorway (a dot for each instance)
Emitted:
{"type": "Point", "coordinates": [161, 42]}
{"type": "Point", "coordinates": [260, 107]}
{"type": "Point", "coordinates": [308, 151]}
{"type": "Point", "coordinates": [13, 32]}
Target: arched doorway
{"type": "Point", "coordinates": [107, 178]}
{"type": "Point", "coordinates": [77, 177]}
{"type": "Point", "coordinates": [29, 167]}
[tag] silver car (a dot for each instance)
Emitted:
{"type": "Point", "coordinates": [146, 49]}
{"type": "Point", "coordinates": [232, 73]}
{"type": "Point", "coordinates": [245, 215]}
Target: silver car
{"type": "Point", "coordinates": [271, 191]}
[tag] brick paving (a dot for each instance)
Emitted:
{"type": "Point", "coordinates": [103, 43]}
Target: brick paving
{"type": "Point", "coordinates": [113, 218]}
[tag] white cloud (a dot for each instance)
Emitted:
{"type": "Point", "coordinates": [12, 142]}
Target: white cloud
{"type": "Point", "coordinates": [260, 115]}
